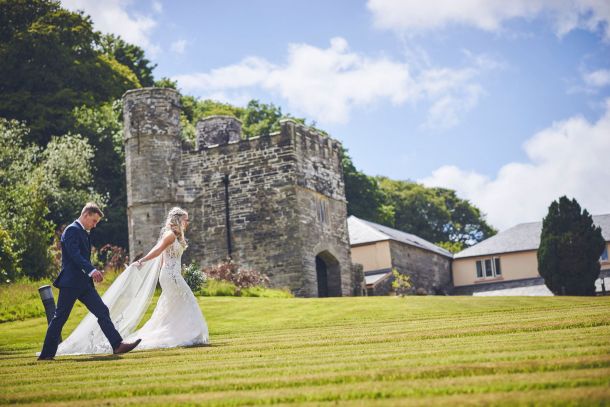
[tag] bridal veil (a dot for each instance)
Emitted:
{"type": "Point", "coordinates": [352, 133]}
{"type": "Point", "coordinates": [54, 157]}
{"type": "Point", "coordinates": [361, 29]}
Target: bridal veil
{"type": "Point", "coordinates": [127, 299]}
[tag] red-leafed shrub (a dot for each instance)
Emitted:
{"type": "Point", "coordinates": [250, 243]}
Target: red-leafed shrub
{"type": "Point", "coordinates": [113, 257]}
{"type": "Point", "coordinates": [236, 274]}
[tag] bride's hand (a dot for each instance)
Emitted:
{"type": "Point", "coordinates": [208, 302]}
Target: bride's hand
{"type": "Point", "coordinates": [138, 264]}
{"type": "Point", "coordinates": [97, 276]}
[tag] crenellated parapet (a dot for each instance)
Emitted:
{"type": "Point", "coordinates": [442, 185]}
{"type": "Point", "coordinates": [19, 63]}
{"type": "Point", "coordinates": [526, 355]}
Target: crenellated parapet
{"type": "Point", "coordinates": [217, 130]}
{"type": "Point", "coordinates": [319, 159]}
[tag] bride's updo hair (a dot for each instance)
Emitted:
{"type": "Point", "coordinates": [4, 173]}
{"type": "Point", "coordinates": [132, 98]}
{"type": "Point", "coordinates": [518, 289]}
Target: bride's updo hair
{"type": "Point", "coordinates": [173, 222]}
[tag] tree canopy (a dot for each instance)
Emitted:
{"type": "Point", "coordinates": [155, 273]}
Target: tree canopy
{"type": "Point", "coordinates": [364, 196]}
{"type": "Point", "coordinates": [569, 251]}
{"type": "Point", "coordinates": [435, 214]}
{"type": "Point", "coordinates": [39, 187]}
{"type": "Point", "coordinates": [52, 62]}
{"type": "Point", "coordinates": [102, 127]}
{"type": "Point", "coordinates": [257, 118]}
{"type": "Point", "coordinates": [131, 56]}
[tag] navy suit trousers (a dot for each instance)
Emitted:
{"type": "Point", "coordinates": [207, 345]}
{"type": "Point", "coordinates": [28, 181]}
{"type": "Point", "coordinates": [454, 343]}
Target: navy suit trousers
{"type": "Point", "coordinates": [65, 302]}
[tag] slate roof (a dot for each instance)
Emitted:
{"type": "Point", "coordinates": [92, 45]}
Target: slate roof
{"type": "Point", "coordinates": [373, 279]}
{"type": "Point", "coordinates": [362, 231]}
{"type": "Point", "coordinates": [523, 237]}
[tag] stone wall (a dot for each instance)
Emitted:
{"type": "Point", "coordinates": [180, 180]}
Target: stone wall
{"type": "Point", "coordinates": [323, 231]}
{"type": "Point", "coordinates": [263, 215]}
{"type": "Point", "coordinates": [430, 272]}
{"type": "Point", "coordinates": [286, 197]}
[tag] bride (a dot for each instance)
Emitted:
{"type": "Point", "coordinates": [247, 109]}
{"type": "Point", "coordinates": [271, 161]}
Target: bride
{"type": "Point", "coordinates": [176, 320]}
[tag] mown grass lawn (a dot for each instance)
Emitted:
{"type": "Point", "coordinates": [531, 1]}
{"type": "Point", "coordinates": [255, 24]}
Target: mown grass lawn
{"type": "Point", "coordinates": [362, 351]}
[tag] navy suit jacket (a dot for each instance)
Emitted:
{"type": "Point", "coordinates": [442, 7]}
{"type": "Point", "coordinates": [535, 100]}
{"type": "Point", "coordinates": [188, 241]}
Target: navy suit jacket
{"type": "Point", "coordinates": [75, 258]}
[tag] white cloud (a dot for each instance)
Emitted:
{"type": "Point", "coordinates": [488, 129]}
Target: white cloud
{"type": "Point", "coordinates": [326, 84]}
{"type": "Point", "coordinates": [568, 158]}
{"type": "Point", "coordinates": [178, 46]}
{"type": "Point", "coordinates": [157, 7]}
{"type": "Point", "coordinates": [447, 111]}
{"type": "Point", "coordinates": [598, 79]}
{"type": "Point", "coordinates": [111, 16]}
{"type": "Point", "coordinates": [251, 71]}
{"type": "Point", "coordinates": [453, 92]}
{"type": "Point", "coordinates": [417, 16]}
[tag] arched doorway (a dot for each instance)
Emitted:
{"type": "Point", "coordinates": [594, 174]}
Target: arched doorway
{"type": "Point", "coordinates": [328, 275]}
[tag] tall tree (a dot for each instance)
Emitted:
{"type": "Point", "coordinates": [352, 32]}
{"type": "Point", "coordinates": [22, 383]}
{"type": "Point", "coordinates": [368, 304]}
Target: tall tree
{"type": "Point", "coordinates": [435, 214]}
{"type": "Point", "coordinates": [260, 118]}
{"type": "Point", "coordinates": [569, 251]}
{"type": "Point", "coordinates": [51, 63]}
{"type": "Point", "coordinates": [103, 128]}
{"type": "Point", "coordinates": [364, 197]}
{"type": "Point", "coordinates": [467, 224]}
{"type": "Point", "coordinates": [131, 56]}
{"type": "Point", "coordinates": [23, 208]}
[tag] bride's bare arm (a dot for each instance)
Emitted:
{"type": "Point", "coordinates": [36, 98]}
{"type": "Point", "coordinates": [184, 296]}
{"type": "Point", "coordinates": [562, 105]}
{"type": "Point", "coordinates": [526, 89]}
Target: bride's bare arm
{"type": "Point", "coordinates": [168, 238]}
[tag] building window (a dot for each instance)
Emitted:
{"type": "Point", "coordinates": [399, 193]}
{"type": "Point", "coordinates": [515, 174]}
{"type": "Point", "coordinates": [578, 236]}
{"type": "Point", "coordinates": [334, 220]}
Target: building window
{"type": "Point", "coordinates": [604, 256]}
{"type": "Point", "coordinates": [498, 269]}
{"type": "Point", "coordinates": [491, 268]}
{"type": "Point", "coordinates": [488, 271]}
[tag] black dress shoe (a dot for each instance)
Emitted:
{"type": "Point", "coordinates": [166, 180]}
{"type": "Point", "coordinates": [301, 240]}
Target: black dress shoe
{"type": "Point", "coordinates": [46, 358]}
{"type": "Point", "coordinates": [126, 347]}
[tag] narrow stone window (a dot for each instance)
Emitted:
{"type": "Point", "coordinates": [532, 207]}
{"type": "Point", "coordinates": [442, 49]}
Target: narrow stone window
{"type": "Point", "coordinates": [322, 210]}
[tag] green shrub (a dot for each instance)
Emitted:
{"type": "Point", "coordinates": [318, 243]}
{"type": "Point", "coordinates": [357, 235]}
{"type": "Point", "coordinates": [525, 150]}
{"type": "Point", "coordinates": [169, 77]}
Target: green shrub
{"type": "Point", "coordinates": [193, 276]}
{"type": "Point", "coordinates": [401, 283]}
{"type": "Point", "coordinates": [9, 260]}
{"type": "Point", "coordinates": [222, 288]}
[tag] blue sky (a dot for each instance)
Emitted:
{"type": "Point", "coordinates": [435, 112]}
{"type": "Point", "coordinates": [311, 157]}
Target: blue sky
{"type": "Point", "coordinates": [506, 102]}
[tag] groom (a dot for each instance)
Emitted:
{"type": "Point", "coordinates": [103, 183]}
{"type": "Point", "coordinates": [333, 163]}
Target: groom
{"type": "Point", "coordinates": [75, 282]}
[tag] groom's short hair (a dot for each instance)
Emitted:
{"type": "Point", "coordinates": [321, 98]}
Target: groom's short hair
{"type": "Point", "coordinates": [90, 208]}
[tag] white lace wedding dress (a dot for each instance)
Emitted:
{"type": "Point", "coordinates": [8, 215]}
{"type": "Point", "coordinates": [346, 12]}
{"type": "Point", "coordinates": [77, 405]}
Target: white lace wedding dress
{"type": "Point", "coordinates": [176, 320]}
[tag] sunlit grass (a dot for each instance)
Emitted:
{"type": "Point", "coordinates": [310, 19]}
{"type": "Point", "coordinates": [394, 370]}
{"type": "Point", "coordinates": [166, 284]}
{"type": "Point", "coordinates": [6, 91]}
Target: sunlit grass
{"type": "Point", "coordinates": [20, 300]}
{"type": "Point", "coordinates": [362, 351]}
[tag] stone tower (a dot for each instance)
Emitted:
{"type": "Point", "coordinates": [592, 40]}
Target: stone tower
{"type": "Point", "coordinates": [274, 203]}
{"type": "Point", "coordinates": [152, 159]}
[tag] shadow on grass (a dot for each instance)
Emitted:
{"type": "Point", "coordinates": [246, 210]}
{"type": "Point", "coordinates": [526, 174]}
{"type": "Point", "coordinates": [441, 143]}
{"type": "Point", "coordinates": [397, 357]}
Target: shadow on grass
{"type": "Point", "coordinates": [106, 358]}
{"type": "Point", "coordinates": [12, 355]}
{"type": "Point", "coordinates": [95, 358]}
{"type": "Point", "coordinates": [205, 345]}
